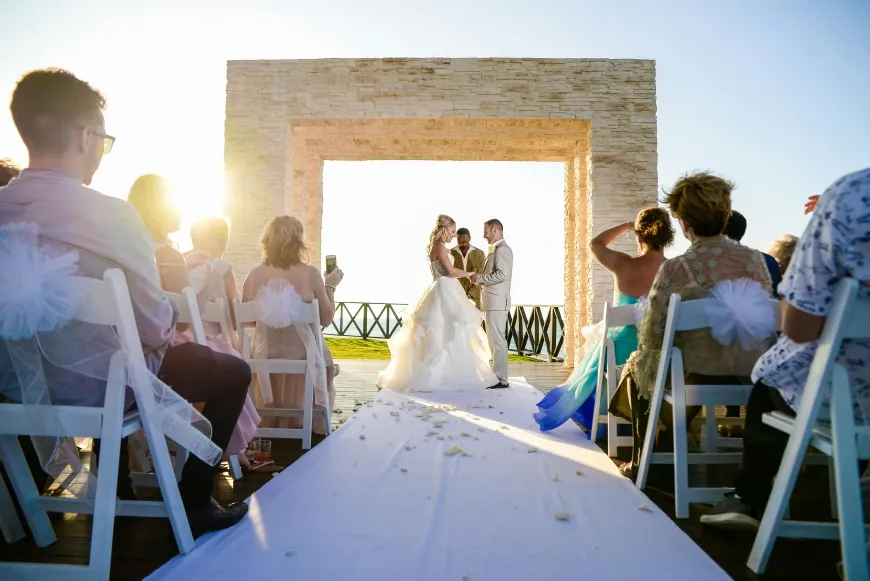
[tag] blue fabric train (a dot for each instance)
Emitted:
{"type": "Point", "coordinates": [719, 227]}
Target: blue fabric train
{"type": "Point", "coordinates": [575, 399]}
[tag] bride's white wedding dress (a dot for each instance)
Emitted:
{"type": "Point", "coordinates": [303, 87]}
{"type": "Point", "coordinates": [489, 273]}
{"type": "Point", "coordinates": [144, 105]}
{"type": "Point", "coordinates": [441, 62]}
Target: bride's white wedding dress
{"type": "Point", "coordinates": [441, 346]}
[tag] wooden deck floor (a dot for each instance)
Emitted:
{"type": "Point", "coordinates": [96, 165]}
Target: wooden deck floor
{"type": "Point", "coordinates": [142, 545]}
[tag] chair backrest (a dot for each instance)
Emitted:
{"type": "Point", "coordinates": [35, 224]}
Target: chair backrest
{"type": "Point", "coordinates": [247, 315]}
{"type": "Point", "coordinates": [848, 318]}
{"type": "Point", "coordinates": [107, 302]}
{"type": "Point", "coordinates": [691, 316]}
{"type": "Point", "coordinates": [619, 316]}
{"type": "Point", "coordinates": [188, 312]}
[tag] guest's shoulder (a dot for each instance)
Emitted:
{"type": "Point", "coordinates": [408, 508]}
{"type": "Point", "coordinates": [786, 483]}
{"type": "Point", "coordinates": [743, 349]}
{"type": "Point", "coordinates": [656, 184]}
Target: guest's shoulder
{"type": "Point", "coordinates": [105, 208]}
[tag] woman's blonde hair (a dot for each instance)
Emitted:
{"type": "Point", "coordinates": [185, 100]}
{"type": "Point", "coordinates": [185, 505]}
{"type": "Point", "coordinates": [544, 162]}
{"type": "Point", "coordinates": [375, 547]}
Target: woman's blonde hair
{"type": "Point", "coordinates": [783, 247]}
{"type": "Point", "coordinates": [283, 244]}
{"type": "Point", "coordinates": [442, 223]}
{"type": "Point", "coordinates": [702, 202]}
{"type": "Point", "coordinates": [209, 228]}
{"type": "Point", "coordinates": [149, 194]}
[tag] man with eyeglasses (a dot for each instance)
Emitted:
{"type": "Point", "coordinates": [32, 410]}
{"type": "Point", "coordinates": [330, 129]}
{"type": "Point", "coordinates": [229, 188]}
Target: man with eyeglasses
{"type": "Point", "coordinates": [60, 119]}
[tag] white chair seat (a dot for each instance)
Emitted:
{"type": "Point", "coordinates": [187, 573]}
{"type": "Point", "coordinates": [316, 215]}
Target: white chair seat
{"type": "Point", "coordinates": [840, 439]}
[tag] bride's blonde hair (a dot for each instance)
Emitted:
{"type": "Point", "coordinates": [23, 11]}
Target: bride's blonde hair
{"type": "Point", "coordinates": [442, 223]}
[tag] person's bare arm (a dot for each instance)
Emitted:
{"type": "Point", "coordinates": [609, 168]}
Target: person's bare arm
{"type": "Point", "coordinates": [173, 269]}
{"type": "Point", "coordinates": [799, 326]}
{"type": "Point", "coordinates": [442, 256]}
{"type": "Point", "coordinates": [325, 298]}
{"type": "Point", "coordinates": [612, 260]}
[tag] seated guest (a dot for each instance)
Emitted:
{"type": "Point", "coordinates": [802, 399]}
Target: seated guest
{"type": "Point", "coordinates": [60, 120]}
{"type": "Point", "coordinates": [702, 205]}
{"type": "Point", "coordinates": [782, 250]}
{"type": "Point", "coordinates": [284, 269]}
{"type": "Point", "coordinates": [835, 244]}
{"type": "Point", "coordinates": [209, 237]}
{"type": "Point", "coordinates": [633, 277]}
{"type": "Point", "coordinates": [150, 196]}
{"type": "Point", "coordinates": [735, 230]}
{"type": "Point", "coordinates": [8, 171]}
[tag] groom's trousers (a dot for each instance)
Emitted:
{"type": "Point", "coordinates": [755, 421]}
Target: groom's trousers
{"type": "Point", "coordinates": [496, 329]}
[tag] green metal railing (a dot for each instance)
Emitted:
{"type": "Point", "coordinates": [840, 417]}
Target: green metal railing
{"type": "Point", "coordinates": [533, 330]}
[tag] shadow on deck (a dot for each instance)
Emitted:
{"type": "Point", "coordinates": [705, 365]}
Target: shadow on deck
{"type": "Point", "coordinates": [142, 545]}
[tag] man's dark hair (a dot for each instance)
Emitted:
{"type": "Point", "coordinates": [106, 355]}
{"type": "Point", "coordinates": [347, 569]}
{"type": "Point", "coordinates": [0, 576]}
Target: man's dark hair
{"type": "Point", "coordinates": [8, 171]}
{"type": "Point", "coordinates": [494, 222]}
{"type": "Point", "coordinates": [735, 229]}
{"type": "Point", "coordinates": [49, 104]}
{"type": "Point", "coordinates": [463, 232]}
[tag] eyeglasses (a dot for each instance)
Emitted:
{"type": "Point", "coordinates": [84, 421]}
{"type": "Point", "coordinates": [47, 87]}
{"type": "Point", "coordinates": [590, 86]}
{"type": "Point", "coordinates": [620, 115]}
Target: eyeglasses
{"type": "Point", "coordinates": [108, 142]}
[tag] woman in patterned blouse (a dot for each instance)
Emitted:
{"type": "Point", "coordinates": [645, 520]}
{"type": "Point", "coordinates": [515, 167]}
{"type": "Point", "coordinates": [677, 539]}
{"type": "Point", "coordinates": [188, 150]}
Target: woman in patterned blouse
{"type": "Point", "coordinates": [702, 205]}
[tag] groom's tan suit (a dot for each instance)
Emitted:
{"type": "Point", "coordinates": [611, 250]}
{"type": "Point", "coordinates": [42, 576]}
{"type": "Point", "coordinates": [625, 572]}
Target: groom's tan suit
{"type": "Point", "coordinates": [496, 283]}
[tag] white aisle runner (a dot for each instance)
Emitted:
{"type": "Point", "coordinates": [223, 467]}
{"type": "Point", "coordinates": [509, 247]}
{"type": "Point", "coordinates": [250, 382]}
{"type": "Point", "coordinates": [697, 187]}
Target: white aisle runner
{"type": "Point", "coordinates": [405, 492]}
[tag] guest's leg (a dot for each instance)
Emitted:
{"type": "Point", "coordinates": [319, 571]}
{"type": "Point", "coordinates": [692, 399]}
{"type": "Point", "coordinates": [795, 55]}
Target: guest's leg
{"type": "Point", "coordinates": [200, 374]}
{"type": "Point", "coordinates": [125, 484]}
{"type": "Point", "coordinates": [763, 447]}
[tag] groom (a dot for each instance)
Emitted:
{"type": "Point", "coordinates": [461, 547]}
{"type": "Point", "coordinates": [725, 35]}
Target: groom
{"type": "Point", "coordinates": [496, 283]}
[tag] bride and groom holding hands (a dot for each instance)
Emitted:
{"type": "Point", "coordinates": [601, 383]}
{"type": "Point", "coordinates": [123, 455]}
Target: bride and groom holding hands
{"type": "Point", "coordinates": [441, 346]}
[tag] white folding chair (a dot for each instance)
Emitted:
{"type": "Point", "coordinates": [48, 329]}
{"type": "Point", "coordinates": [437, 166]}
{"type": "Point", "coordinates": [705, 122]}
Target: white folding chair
{"type": "Point", "coordinates": [687, 316]}
{"type": "Point", "coordinates": [608, 377]}
{"type": "Point", "coordinates": [246, 314]}
{"type": "Point", "coordinates": [841, 439]}
{"type": "Point", "coordinates": [188, 314]}
{"type": "Point", "coordinates": [107, 303]}
{"type": "Point", "coordinates": [10, 524]}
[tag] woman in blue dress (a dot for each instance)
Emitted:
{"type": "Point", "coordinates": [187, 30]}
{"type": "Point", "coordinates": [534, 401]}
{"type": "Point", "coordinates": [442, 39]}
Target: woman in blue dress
{"type": "Point", "coordinates": [633, 276]}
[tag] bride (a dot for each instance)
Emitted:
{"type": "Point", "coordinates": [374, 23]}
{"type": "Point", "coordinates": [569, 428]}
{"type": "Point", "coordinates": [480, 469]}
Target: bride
{"type": "Point", "coordinates": [441, 345]}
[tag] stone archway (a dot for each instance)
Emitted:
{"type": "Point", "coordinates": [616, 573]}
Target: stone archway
{"type": "Point", "coordinates": [285, 117]}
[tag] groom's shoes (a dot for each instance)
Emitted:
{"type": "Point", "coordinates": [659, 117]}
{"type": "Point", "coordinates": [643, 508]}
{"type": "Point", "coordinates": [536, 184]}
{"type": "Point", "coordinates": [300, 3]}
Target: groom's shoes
{"type": "Point", "coordinates": [500, 385]}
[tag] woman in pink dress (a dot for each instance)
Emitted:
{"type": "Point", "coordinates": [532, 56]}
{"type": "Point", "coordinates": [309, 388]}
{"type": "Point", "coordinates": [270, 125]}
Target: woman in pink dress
{"type": "Point", "coordinates": [149, 195]}
{"type": "Point", "coordinates": [284, 265]}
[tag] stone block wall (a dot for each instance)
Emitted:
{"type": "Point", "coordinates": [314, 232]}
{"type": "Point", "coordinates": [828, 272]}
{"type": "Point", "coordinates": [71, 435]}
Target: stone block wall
{"type": "Point", "coordinates": [597, 116]}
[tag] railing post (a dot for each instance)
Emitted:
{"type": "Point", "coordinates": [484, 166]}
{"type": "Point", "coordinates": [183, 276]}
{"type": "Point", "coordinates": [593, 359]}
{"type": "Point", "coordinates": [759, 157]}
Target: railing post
{"type": "Point", "coordinates": [365, 329]}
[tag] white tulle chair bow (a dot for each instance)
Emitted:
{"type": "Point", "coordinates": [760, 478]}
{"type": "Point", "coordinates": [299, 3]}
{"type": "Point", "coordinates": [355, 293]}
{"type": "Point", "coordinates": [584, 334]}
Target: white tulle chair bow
{"type": "Point", "coordinates": [279, 306]}
{"type": "Point", "coordinates": [39, 300]}
{"type": "Point", "coordinates": [741, 311]}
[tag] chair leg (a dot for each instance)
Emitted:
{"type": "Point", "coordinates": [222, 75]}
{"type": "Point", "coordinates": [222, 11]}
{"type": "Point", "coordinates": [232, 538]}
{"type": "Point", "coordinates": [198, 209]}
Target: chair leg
{"type": "Point", "coordinates": [105, 504]}
{"type": "Point", "coordinates": [235, 467]}
{"type": "Point", "coordinates": [681, 447]}
{"type": "Point", "coordinates": [655, 408]}
{"type": "Point", "coordinates": [853, 536]}
{"type": "Point", "coordinates": [28, 496]}
{"type": "Point", "coordinates": [10, 524]}
{"type": "Point", "coordinates": [777, 504]}
{"type": "Point", "coordinates": [596, 413]}
{"type": "Point", "coordinates": [168, 486]}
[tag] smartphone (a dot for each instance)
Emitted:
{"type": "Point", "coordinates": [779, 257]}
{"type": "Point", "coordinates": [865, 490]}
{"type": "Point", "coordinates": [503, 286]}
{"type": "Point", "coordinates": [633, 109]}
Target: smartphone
{"type": "Point", "coordinates": [330, 263]}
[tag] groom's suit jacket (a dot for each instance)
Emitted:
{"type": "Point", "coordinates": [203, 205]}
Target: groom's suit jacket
{"type": "Point", "coordinates": [496, 278]}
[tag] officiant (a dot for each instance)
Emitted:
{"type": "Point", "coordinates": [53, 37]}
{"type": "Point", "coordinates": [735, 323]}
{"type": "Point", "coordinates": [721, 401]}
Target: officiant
{"type": "Point", "coordinates": [469, 259]}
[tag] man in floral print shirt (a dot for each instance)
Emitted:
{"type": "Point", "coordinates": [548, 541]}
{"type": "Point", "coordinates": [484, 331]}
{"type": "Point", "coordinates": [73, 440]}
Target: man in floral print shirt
{"type": "Point", "coordinates": [836, 244]}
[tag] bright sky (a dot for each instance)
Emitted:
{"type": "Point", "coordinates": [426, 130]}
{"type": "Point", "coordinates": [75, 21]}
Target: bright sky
{"type": "Point", "coordinates": [773, 95]}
